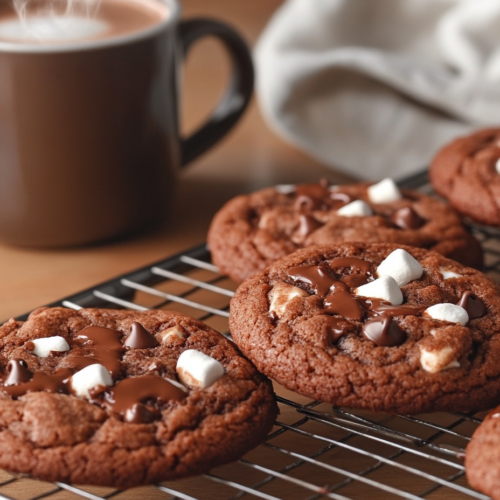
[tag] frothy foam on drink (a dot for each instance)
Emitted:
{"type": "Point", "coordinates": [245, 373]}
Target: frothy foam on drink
{"type": "Point", "coordinates": [53, 21]}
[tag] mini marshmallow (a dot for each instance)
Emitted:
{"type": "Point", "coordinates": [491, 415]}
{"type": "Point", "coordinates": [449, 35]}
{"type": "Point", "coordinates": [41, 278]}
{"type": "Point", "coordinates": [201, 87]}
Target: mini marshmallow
{"type": "Point", "coordinates": [497, 166]}
{"type": "Point", "coordinates": [401, 266]}
{"type": "Point", "coordinates": [449, 274]}
{"type": "Point", "coordinates": [44, 346]}
{"type": "Point", "coordinates": [285, 188]}
{"type": "Point", "coordinates": [175, 332]}
{"type": "Point", "coordinates": [267, 218]}
{"type": "Point", "coordinates": [385, 288]}
{"type": "Point", "coordinates": [196, 369]}
{"type": "Point", "coordinates": [436, 361]}
{"type": "Point", "coordinates": [356, 208]}
{"type": "Point", "coordinates": [384, 192]}
{"type": "Point", "coordinates": [448, 312]}
{"type": "Point", "coordinates": [88, 378]}
{"type": "Point", "coordinates": [281, 295]}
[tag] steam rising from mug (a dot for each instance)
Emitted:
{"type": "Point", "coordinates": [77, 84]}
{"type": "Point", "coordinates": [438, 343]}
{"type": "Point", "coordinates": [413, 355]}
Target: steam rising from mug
{"type": "Point", "coordinates": [56, 8]}
{"type": "Point", "coordinates": [53, 21]}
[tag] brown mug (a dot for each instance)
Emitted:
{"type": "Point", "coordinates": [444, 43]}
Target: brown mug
{"type": "Point", "coordinates": [89, 131]}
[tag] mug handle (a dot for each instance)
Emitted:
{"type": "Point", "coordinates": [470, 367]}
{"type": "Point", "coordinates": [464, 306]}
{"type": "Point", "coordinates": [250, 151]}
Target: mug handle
{"type": "Point", "coordinates": [236, 97]}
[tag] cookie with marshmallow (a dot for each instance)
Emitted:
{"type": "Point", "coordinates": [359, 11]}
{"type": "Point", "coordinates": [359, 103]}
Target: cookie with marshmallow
{"type": "Point", "coordinates": [146, 387]}
{"type": "Point", "coordinates": [252, 231]}
{"type": "Point", "coordinates": [374, 326]}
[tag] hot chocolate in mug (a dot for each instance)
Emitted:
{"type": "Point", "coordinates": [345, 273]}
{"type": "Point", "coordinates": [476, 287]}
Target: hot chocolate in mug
{"type": "Point", "coordinates": [89, 127]}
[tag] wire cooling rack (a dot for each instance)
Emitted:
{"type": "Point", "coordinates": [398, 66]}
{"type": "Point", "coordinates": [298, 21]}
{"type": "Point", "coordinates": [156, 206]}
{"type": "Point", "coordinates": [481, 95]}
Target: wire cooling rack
{"type": "Point", "coordinates": [315, 450]}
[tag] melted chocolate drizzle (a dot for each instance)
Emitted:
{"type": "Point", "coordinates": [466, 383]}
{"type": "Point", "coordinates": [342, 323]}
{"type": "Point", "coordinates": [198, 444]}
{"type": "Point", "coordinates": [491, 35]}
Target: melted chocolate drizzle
{"type": "Point", "coordinates": [407, 218]}
{"type": "Point", "coordinates": [377, 307]}
{"type": "Point", "coordinates": [104, 346]}
{"type": "Point", "coordinates": [473, 305]}
{"type": "Point", "coordinates": [48, 382]}
{"type": "Point", "coordinates": [361, 265]}
{"type": "Point", "coordinates": [383, 331]}
{"type": "Point", "coordinates": [129, 392]}
{"type": "Point", "coordinates": [343, 303]}
{"type": "Point", "coordinates": [380, 329]}
{"type": "Point", "coordinates": [355, 280]}
{"type": "Point", "coordinates": [318, 277]}
{"type": "Point", "coordinates": [129, 397]}
{"type": "Point", "coordinates": [140, 338]}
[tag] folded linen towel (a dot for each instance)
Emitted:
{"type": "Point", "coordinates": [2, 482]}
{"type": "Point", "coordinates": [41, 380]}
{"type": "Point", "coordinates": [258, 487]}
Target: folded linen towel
{"type": "Point", "coordinates": [375, 87]}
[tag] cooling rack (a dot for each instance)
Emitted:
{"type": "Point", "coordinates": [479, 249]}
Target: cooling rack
{"type": "Point", "coordinates": [314, 451]}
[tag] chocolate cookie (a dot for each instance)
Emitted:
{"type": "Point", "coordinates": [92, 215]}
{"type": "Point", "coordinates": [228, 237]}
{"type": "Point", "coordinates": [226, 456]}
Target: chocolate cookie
{"type": "Point", "coordinates": [253, 231]}
{"type": "Point", "coordinates": [482, 456]}
{"type": "Point", "coordinates": [382, 327]}
{"type": "Point", "coordinates": [122, 398]}
{"type": "Point", "coordinates": [467, 173]}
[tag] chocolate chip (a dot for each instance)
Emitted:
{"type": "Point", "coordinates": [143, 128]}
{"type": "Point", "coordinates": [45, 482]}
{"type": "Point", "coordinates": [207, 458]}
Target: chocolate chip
{"type": "Point", "coordinates": [407, 218]}
{"type": "Point", "coordinates": [18, 372]}
{"type": "Point", "coordinates": [336, 328]}
{"type": "Point", "coordinates": [473, 305]}
{"type": "Point", "coordinates": [140, 338]}
{"type": "Point", "coordinates": [304, 203]}
{"type": "Point", "coordinates": [138, 414]}
{"type": "Point", "coordinates": [383, 331]}
{"type": "Point", "coordinates": [307, 226]}
{"type": "Point", "coordinates": [273, 317]}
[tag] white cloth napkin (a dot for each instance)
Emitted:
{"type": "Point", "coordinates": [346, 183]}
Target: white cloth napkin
{"type": "Point", "coordinates": [376, 87]}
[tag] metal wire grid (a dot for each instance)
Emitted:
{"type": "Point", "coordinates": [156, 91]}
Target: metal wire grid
{"type": "Point", "coordinates": [314, 451]}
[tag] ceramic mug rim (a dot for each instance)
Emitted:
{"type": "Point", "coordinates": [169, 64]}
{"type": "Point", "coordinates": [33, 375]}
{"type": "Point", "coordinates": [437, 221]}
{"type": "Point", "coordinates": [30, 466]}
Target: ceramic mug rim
{"type": "Point", "coordinates": [80, 46]}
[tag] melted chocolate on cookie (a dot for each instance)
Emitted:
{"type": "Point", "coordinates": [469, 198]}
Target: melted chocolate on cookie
{"type": "Point", "coordinates": [338, 300]}
{"type": "Point", "coordinates": [100, 345]}
{"type": "Point", "coordinates": [384, 331]}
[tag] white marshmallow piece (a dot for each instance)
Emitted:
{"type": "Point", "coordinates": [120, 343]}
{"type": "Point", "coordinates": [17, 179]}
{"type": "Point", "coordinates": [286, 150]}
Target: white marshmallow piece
{"type": "Point", "coordinates": [281, 295]}
{"type": "Point", "coordinates": [196, 369]}
{"type": "Point", "coordinates": [497, 166]}
{"type": "Point", "coordinates": [356, 208]}
{"type": "Point", "coordinates": [44, 346]}
{"type": "Point", "coordinates": [285, 188]}
{"type": "Point", "coordinates": [449, 274]}
{"type": "Point", "coordinates": [448, 312]}
{"type": "Point", "coordinates": [88, 378]}
{"type": "Point", "coordinates": [172, 333]}
{"type": "Point", "coordinates": [384, 191]}
{"type": "Point", "coordinates": [401, 266]}
{"type": "Point", "coordinates": [385, 288]}
{"type": "Point", "coordinates": [436, 361]}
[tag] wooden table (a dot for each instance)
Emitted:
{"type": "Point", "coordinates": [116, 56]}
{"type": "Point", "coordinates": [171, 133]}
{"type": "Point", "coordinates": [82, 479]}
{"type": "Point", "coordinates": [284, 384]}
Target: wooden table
{"type": "Point", "coordinates": [251, 157]}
